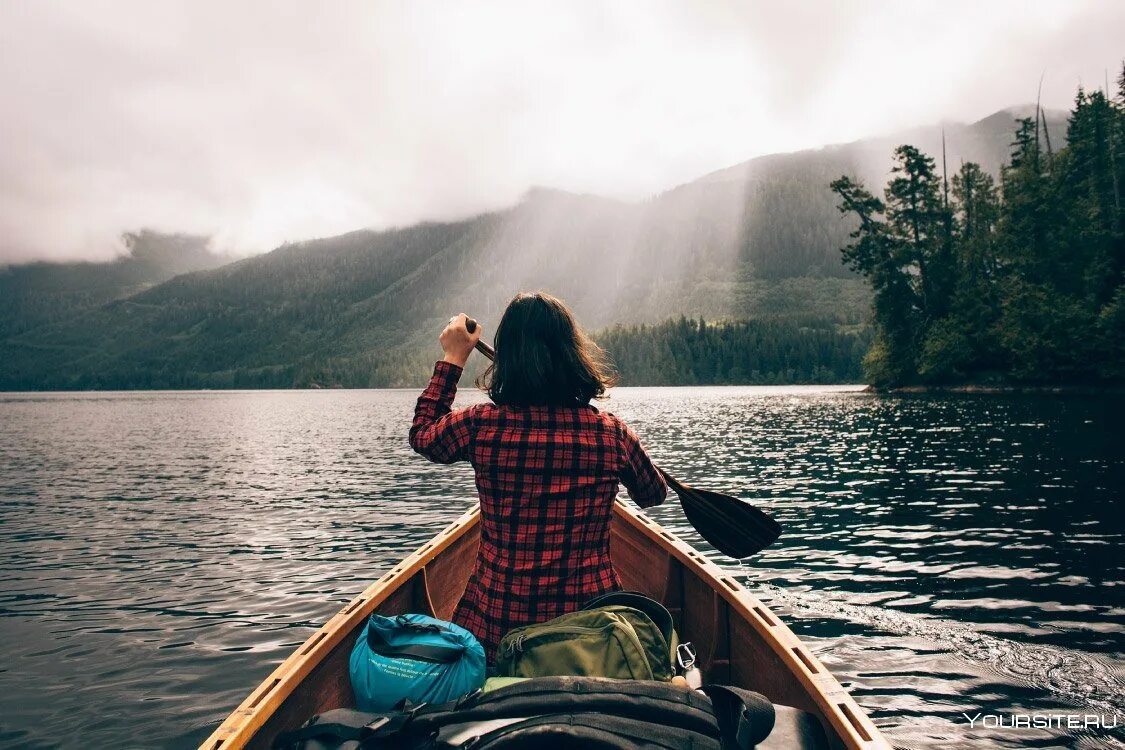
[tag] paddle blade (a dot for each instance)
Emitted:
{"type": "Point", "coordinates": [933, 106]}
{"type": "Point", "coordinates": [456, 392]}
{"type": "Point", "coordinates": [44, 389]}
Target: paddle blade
{"type": "Point", "coordinates": [731, 526]}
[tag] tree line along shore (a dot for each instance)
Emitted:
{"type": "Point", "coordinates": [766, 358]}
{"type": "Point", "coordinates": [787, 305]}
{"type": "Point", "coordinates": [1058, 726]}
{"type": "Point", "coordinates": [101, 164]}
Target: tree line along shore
{"type": "Point", "coordinates": [1016, 283]}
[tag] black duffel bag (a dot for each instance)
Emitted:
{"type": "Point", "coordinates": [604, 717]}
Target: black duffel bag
{"type": "Point", "coordinates": [549, 712]}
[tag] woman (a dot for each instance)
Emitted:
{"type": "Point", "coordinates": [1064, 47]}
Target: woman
{"type": "Point", "coordinates": [547, 465]}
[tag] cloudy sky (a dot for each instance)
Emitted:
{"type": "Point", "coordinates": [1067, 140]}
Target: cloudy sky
{"type": "Point", "coordinates": [264, 122]}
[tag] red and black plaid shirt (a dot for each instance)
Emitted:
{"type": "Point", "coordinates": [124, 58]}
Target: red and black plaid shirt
{"type": "Point", "coordinates": [547, 478]}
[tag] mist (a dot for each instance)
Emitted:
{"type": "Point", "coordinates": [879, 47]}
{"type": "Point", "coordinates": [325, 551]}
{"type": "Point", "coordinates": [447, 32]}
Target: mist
{"type": "Point", "coordinates": [261, 123]}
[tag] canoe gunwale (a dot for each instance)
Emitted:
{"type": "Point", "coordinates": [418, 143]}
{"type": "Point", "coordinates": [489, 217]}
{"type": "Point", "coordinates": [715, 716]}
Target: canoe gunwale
{"type": "Point", "coordinates": [837, 707]}
{"type": "Point", "coordinates": [251, 714]}
{"type": "Point", "coordinates": [848, 720]}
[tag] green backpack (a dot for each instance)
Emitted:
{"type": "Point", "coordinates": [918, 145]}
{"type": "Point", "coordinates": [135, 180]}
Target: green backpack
{"type": "Point", "coordinates": [621, 634]}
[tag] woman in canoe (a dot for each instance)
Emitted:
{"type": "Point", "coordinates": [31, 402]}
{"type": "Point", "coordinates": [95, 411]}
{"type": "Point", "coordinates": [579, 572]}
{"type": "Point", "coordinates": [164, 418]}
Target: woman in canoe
{"type": "Point", "coordinates": [547, 465]}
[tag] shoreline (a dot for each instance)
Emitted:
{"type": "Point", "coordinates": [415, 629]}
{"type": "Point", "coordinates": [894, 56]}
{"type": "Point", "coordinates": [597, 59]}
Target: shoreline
{"type": "Point", "coordinates": [1003, 390]}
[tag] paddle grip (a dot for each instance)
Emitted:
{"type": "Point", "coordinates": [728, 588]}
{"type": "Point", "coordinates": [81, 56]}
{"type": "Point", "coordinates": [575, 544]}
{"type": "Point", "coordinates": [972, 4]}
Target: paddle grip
{"type": "Point", "coordinates": [483, 348]}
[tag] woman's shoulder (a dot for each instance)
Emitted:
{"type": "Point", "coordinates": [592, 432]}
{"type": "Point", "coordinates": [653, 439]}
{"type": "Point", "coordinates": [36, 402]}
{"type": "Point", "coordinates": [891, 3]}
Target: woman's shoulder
{"type": "Point", "coordinates": [477, 411]}
{"type": "Point", "coordinates": [620, 426]}
{"type": "Point", "coordinates": [609, 419]}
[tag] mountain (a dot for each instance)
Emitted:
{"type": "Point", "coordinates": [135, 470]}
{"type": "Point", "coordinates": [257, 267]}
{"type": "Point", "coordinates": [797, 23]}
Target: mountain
{"type": "Point", "coordinates": [35, 294]}
{"type": "Point", "coordinates": [759, 240]}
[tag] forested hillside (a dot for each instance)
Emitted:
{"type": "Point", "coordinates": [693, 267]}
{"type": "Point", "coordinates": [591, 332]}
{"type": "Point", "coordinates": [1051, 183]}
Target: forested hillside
{"type": "Point", "coordinates": [1016, 280]}
{"type": "Point", "coordinates": [694, 352]}
{"type": "Point", "coordinates": [34, 294]}
{"type": "Point", "coordinates": [758, 242]}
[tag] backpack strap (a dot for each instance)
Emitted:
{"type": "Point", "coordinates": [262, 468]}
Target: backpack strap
{"type": "Point", "coordinates": [338, 732]}
{"type": "Point", "coordinates": [366, 730]}
{"type": "Point", "coordinates": [656, 611]}
{"type": "Point", "coordinates": [745, 718]}
{"type": "Point", "coordinates": [419, 651]}
{"type": "Point", "coordinates": [440, 654]}
{"type": "Point", "coordinates": [590, 731]}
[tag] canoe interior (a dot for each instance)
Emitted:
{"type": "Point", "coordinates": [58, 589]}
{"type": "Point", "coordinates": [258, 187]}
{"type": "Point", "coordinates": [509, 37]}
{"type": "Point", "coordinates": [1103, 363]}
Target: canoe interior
{"type": "Point", "coordinates": [739, 640]}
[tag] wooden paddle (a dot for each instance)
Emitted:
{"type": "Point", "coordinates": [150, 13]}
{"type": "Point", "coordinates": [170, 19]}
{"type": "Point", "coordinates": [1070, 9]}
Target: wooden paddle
{"type": "Point", "coordinates": [731, 526]}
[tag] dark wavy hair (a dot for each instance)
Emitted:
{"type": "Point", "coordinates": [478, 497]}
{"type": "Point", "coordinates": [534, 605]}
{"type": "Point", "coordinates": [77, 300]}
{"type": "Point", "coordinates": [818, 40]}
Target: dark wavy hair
{"type": "Point", "coordinates": [544, 358]}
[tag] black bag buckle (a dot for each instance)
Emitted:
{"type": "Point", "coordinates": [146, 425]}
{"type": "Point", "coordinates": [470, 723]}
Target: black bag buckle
{"type": "Point", "coordinates": [406, 709]}
{"type": "Point", "coordinates": [468, 698]}
{"type": "Point", "coordinates": [376, 725]}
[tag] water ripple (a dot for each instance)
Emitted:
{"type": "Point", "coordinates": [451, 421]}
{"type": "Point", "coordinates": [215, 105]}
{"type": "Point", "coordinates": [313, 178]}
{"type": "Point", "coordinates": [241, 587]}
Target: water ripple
{"type": "Point", "coordinates": [161, 552]}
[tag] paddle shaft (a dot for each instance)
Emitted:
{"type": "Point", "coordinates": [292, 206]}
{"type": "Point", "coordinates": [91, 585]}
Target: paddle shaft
{"type": "Point", "coordinates": [730, 525]}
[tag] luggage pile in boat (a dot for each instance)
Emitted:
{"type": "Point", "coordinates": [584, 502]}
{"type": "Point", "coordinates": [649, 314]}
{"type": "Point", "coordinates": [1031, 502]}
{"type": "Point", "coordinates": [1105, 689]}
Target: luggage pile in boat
{"type": "Point", "coordinates": [612, 675]}
{"type": "Point", "coordinates": [732, 637]}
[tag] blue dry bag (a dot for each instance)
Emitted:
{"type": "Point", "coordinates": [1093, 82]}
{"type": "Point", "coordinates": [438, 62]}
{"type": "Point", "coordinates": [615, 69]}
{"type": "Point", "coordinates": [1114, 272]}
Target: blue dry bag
{"type": "Point", "coordinates": [416, 657]}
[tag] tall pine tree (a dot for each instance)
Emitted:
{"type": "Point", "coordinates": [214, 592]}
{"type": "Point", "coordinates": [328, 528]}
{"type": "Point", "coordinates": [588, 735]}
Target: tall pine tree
{"type": "Point", "coordinates": [1022, 283]}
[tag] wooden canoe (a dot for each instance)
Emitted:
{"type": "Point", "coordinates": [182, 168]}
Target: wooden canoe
{"type": "Point", "coordinates": [740, 641]}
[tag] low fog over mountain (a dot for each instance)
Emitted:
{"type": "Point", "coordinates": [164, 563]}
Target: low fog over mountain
{"type": "Point", "coordinates": [759, 240]}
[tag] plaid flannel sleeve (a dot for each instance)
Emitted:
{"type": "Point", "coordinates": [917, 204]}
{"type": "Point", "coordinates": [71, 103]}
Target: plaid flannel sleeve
{"type": "Point", "coordinates": [640, 477]}
{"type": "Point", "coordinates": [438, 433]}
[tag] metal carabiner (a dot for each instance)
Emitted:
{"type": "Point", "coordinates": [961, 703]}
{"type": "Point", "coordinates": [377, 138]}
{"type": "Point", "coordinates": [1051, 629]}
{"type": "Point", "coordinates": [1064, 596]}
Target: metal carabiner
{"type": "Point", "coordinates": [685, 656]}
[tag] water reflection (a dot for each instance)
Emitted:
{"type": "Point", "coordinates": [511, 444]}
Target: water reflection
{"type": "Point", "coordinates": [162, 552]}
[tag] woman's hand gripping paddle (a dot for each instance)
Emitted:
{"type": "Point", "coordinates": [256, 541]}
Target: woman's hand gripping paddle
{"type": "Point", "coordinates": [731, 526]}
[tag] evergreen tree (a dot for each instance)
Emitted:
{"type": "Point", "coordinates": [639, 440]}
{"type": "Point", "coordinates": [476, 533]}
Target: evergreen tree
{"type": "Point", "coordinates": [917, 223]}
{"type": "Point", "coordinates": [885, 260]}
{"type": "Point", "coordinates": [1022, 283]}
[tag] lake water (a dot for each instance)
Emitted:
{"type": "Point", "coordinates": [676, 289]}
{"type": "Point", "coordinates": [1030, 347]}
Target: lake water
{"type": "Point", "coordinates": [162, 552]}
